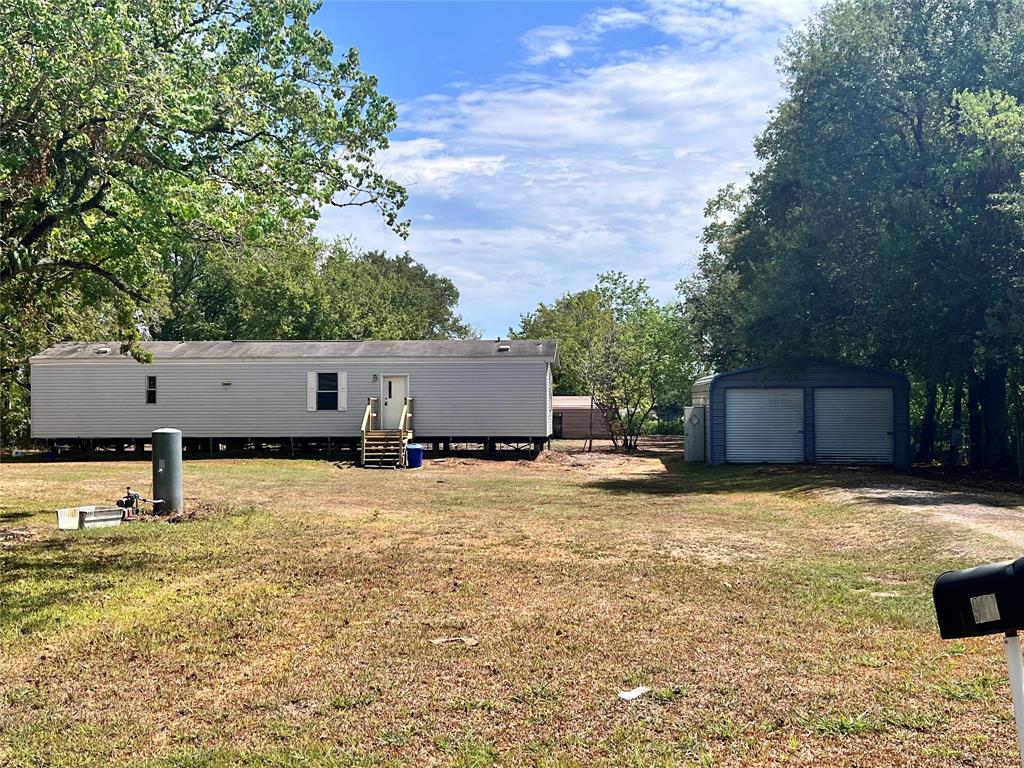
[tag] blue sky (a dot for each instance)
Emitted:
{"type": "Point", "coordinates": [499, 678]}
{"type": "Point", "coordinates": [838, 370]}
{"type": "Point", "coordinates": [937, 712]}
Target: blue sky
{"type": "Point", "coordinates": [545, 142]}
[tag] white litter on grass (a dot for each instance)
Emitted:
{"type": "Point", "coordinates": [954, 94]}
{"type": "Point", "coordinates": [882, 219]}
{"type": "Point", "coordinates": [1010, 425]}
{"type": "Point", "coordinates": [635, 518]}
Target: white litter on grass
{"type": "Point", "coordinates": [636, 693]}
{"type": "Point", "coordinates": [465, 640]}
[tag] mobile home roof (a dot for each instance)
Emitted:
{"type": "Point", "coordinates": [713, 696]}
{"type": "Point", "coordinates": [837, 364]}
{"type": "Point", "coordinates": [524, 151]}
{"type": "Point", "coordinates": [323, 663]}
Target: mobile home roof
{"type": "Point", "coordinates": [262, 350]}
{"type": "Point", "coordinates": [572, 401]}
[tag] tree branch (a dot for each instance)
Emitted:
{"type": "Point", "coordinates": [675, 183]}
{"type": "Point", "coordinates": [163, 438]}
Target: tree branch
{"type": "Point", "coordinates": [46, 224]}
{"type": "Point", "coordinates": [88, 266]}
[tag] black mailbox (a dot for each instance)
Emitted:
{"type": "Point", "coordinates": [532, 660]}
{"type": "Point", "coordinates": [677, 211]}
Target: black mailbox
{"type": "Point", "coordinates": [986, 600]}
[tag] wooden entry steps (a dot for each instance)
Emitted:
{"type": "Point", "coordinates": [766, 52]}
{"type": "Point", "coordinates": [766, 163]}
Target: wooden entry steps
{"type": "Point", "coordinates": [385, 447]}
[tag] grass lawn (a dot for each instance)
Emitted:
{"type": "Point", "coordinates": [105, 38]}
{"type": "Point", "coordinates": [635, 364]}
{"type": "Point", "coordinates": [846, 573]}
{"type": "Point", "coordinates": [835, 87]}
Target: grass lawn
{"type": "Point", "coordinates": [291, 625]}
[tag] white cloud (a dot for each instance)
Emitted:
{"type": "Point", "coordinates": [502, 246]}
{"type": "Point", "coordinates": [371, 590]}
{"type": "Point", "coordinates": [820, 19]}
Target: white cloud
{"type": "Point", "coordinates": [704, 23]}
{"type": "Point", "coordinates": [791, 12]}
{"type": "Point", "coordinates": [561, 41]}
{"type": "Point", "coordinates": [546, 43]}
{"type": "Point", "coordinates": [607, 109]}
{"type": "Point", "coordinates": [617, 18]}
{"type": "Point", "coordinates": [423, 163]}
{"type": "Point", "coordinates": [715, 24]}
{"type": "Point", "coordinates": [540, 183]}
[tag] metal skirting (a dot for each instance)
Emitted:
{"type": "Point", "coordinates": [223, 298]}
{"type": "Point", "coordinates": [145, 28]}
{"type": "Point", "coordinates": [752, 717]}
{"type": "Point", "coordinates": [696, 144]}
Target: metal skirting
{"type": "Point", "coordinates": [764, 426]}
{"type": "Point", "coordinates": [853, 425]}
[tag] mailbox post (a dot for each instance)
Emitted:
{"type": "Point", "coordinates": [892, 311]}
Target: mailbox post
{"type": "Point", "coordinates": [1015, 664]}
{"type": "Point", "coordinates": [987, 600]}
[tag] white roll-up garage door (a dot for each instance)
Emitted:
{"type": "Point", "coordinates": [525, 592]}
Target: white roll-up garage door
{"type": "Point", "coordinates": [853, 425]}
{"type": "Point", "coordinates": [764, 425]}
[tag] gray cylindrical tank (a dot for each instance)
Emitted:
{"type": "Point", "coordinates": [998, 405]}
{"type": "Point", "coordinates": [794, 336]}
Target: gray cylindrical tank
{"type": "Point", "coordinates": [167, 484]}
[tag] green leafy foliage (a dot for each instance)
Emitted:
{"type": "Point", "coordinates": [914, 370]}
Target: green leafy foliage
{"type": "Point", "coordinates": [131, 126]}
{"type": "Point", "coordinates": [881, 227]}
{"type": "Point", "coordinates": [309, 290]}
{"type": "Point", "coordinates": [135, 134]}
{"type": "Point", "coordinates": [618, 344]}
{"type": "Point", "coordinates": [581, 324]}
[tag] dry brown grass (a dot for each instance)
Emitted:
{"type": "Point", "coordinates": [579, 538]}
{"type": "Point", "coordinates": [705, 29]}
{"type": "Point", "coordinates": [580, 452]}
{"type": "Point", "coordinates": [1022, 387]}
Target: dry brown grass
{"type": "Point", "coordinates": [776, 625]}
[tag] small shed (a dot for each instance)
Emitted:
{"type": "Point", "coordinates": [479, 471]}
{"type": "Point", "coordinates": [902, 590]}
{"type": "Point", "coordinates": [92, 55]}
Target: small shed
{"type": "Point", "coordinates": [813, 412]}
{"type": "Point", "coordinates": [571, 418]}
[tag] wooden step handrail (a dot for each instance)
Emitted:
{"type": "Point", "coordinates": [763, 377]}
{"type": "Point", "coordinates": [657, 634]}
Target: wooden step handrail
{"type": "Point", "coordinates": [368, 414]}
{"type": "Point", "coordinates": [405, 425]}
{"type": "Point", "coordinates": [367, 425]}
{"type": "Point", "coordinates": [406, 417]}
{"type": "Point", "coordinates": [379, 441]}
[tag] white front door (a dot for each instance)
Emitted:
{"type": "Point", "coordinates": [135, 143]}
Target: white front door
{"type": "Point", "coordinates": [396, 389]}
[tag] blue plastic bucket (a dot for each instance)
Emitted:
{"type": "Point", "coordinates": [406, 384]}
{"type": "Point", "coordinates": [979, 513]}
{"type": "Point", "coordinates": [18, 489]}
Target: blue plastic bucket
{"type": "Point", "coordinates": [414, 454]}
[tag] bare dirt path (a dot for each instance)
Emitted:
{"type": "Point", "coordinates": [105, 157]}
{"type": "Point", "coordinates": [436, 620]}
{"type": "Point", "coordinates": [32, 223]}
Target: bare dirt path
{"type": "Point", "coordinates": [998, 515]}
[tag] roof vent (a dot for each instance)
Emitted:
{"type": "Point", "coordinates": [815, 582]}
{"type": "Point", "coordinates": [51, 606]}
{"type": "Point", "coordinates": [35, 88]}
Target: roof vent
{"type": "Point", "coordinates": [504, 348]}
{"type": "Point", "coordinates": [103, 351]}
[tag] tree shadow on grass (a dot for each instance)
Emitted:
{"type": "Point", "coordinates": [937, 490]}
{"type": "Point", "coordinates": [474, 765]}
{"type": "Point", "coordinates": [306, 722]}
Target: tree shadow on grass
{"type": "Point", "coordinates": [15, 515]}
{"type": "Point", "coordinates": [681, 479]}
{"type": "Point", "coordinates": [931, 498]}
{"type": "Point", "coordinates": [40, 580]}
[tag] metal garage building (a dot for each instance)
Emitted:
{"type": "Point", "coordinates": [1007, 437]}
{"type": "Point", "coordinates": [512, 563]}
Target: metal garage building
{"type": "Point", "coordinates": [806, 412]}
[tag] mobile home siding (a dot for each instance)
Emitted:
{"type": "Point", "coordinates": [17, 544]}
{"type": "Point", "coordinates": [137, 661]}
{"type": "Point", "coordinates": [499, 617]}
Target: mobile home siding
{"type": "Point", "coordinates": [808, 376]}
{"type": "Point", "coordinates": [551, 389]}
{"type": "Point", "coordinates": [488, 397]}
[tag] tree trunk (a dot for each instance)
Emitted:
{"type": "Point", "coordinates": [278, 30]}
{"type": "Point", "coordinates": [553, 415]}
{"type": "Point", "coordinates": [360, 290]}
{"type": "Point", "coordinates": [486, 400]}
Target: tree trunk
{"type": "Point", "coordinates": [1016, 407]}
{"type": "Point", "coordinates": [987, 419]}
{"type": "Point", "coordinates": [995, 417]}
{"type": "Point", "coordinates": [926, 439]}
{"type": "Point", "coordinates": [975, 425]}
{"type": "Point", "coordinates": [590, 428]}
{"type": "Point", "coordinates": [957, 430]}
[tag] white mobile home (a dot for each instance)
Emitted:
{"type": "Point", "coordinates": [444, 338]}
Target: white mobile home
{"type": "Point", "coordinates": [442, 391]}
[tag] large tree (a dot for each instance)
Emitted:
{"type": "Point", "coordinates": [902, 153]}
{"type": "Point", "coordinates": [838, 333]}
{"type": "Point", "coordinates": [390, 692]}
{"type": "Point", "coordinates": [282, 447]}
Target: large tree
{"type": "Point", "coordinates": [374, 295]}
{"type": "Point", "coordinates": [135, 132]}
{"type": "Point", "coordinates": [307, 289]}
{"type": "Point", "coordinates": [872, 231]}
{"type": "Point", "coordinates": [581, 323]}
{"type": "Point", "coordinates": [127, 126]}
{"type": "Point", "coordinates": [618, 345]}
{"type": "Point", "coordinates": [991, 125]}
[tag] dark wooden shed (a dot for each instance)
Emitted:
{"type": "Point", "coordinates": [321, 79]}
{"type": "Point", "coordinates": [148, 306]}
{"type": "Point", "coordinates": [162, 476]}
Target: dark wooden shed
{"type": "Point", "coordinates": [571, 418]}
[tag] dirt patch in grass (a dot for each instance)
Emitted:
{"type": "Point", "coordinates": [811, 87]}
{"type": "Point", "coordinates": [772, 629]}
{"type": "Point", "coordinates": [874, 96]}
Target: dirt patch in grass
{"type": "Point", "coordinates": [194, 511]}
{"type": "Point", "coordinates": [601, 461]}
{"type": "Point", "coordinates": [998, 515]}
{"type": "Point", "coordinates": [10, 537]}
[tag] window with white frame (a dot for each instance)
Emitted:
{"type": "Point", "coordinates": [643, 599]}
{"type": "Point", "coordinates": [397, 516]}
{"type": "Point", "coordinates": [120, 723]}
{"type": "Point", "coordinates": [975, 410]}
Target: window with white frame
{"type": "Point", "coordinates": [327, 391]}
